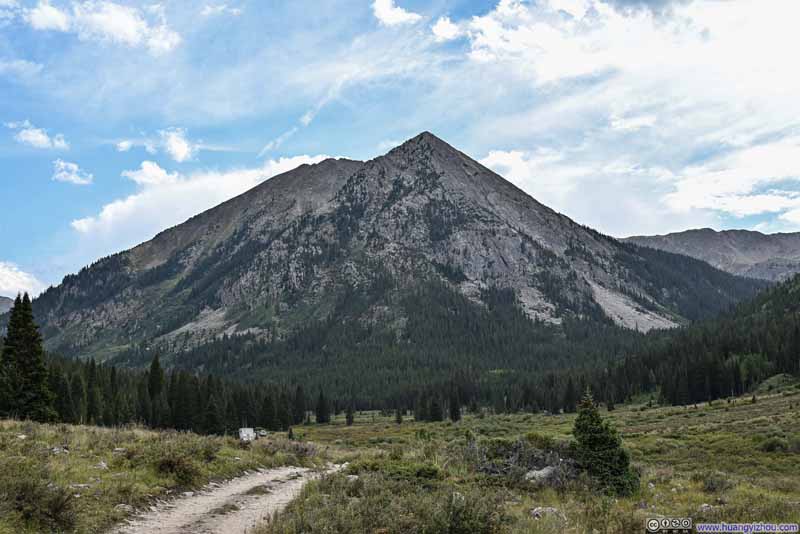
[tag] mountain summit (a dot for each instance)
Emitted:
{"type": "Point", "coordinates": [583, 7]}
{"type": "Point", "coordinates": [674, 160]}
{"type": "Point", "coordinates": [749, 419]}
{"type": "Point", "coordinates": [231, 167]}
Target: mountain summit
{"type": "Point", "coordinates": [362, 240]}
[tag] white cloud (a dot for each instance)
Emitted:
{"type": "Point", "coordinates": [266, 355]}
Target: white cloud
{"type": "Point", "coordinates": [30, 135]}
{"type": "Point", "coordinates": [445, 30]}
{"type": "Point", "coordinates": [174, 141]}
{"type": "Point", "coordinates": [14, 281]}
{"type": "Point", "coordinates": [391, 15]}
{"type": "Point", "coordinates": [151, 174]}
{"type": "Point", "coordinates": [210, 10]}
{"type": "Point", "coordinates": [748, 181]}
{"type": "Point", "coordinates": [64, 171]}
{"type": "Point", "coordinates": [176, 144]}
{"type": "Point", "coordinates": [107, 22]}
{"type": "Point", "coordinates": [696, 106]}
{"type": "Point", "coordinates": [166, 199]}
{"type": "Point", "coordinates": [124, 145]}
{"type": "Point", "coordinates": [47, 17]}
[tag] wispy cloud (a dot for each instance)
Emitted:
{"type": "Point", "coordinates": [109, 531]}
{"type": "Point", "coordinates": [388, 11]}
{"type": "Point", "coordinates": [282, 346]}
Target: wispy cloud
{"type": "Point", "coordinates": [65, 171]}
{"type": "Point", "coordinates": [28, 134]}
{"type": "Point", "coordinates": [108, 22]}
{"type": "Point", "coordinates": [210, 10]}
{"type": "Point", "coordinates": [174, 141]}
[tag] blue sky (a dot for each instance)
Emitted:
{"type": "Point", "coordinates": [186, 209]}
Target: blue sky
{"type": "Point", "coordinates": [119, 119]}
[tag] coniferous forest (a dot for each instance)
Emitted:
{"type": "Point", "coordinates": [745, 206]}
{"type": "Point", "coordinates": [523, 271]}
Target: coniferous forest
{"type": "Point", "coordinates": [339, 366]}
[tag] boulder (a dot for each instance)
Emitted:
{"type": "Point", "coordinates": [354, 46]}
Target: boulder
{"type": "Point", "coordinates": [540, 475]}
{"type": "Point", "coordinates": [540, 512]}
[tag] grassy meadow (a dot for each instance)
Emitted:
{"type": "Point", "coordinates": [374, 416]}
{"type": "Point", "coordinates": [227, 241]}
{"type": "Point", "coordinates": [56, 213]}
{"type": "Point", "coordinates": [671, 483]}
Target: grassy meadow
{"type": "Point", "coordinates": [63, 478]}
{"type": "Point", "coordinates": [731, 461]}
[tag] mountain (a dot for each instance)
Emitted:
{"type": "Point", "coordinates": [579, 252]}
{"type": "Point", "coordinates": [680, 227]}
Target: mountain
{"type": "Point", "coordinates": [770, 257]}
{"type": "Point", "coordinates": [420, 257]}
{"type": "Point", "coordinates": [5, 304]}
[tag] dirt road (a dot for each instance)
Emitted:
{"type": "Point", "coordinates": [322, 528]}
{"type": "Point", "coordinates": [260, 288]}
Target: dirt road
{"type": "Point", "coordinates": [232, 507]}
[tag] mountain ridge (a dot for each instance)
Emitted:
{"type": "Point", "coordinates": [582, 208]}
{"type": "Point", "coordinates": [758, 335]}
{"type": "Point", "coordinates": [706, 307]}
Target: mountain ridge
{"type": "Point", "coordinates": [772, 257]}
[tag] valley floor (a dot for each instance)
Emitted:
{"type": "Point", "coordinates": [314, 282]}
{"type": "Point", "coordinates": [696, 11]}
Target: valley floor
{"type": "Point", "coordinates": [724, 461]}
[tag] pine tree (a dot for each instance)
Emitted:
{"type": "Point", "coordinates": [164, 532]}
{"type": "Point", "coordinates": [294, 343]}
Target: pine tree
{"type": "Point", "coordinates": [24, 373]}
{"type": "Point", "coordinates": [156, 379]}
{"type": "Point", "coordinates": [269, 416]}
{"type": "Point", "coordinates": [284, 411]}
{"type": "Point", "coordinates": [349, 416]}
{"type": "Point", "coordinates": [599, 450]}
{"type": "Point", "coordinates": [455, 406]}
{"type": "Point", "coordinates": [323, 411]}
{"type": "Point", "coordinates": [60, 386]}
{"type": "Point", "coordinates": [570, 397]}
{"type": "Point", "coordinates": [436, 410]}
{"type": "Point", "coordinates": [93, 399]}
{"type": "Point", "coordinates": [299, 408]}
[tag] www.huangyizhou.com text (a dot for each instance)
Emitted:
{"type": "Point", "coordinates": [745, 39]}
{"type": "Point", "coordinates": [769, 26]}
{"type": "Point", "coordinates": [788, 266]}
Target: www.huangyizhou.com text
{"type": "Point", "coordinates": [747, 528]}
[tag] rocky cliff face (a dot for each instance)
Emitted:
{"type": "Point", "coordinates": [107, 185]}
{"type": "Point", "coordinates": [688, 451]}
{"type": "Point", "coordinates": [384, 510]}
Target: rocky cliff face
{"type": "Point", "coordinates": [284, 253]}
{"type": "Point", "coordinates": [772, 257]}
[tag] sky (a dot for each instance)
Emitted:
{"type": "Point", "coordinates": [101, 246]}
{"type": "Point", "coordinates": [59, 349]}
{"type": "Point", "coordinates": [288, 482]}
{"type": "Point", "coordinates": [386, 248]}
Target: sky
{"type": "Point", "coordinates": [120, 119]}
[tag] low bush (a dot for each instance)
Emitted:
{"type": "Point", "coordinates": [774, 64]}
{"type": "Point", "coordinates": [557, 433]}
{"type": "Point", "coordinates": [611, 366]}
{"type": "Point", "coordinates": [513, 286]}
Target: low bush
{"type": "Point", "coordinates": [377, 504]}
{"type": "Point", "coordinates": [774, 444]}
{"type": "Point", "coordinates": [713, 482]}
{"type": "Point", "coordinates": [25, 491]}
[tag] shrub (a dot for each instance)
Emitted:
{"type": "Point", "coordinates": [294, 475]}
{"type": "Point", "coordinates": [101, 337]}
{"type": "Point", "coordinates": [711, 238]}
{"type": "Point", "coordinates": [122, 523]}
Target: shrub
{"type": "Point", "coordinates": [377, 504]}
{"type": "Point", "coordinates": [25, 491]}
{"type": "Point", "coordinates": [774, 444]}
{"type": "Point", "coordinates": [184, 469]}
{"type": "Point", "coordinates": [713, 482]}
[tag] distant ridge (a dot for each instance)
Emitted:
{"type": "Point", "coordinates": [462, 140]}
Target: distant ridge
{"type": "Point", "coordinates": [772, 257]}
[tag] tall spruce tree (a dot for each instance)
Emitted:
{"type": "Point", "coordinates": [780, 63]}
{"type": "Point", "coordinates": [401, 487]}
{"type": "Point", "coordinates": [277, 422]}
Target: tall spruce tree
{"type": "Point", "coordinates": [23, 369]}
{"type": "Point", "coordinates": [349, 415]}
{"type": "Point", "coordinates": [93, 399]}
{"type": "Point", "coordinates": [455, 405]}
{"type": "Point", "coordinates": [299, 408]}
{"type": "Point", "coordinates": [269, 416]}
{"type": "Point", "coordinates": [323, 411]}
{"type": "Point", "coordinates": [599, 450]}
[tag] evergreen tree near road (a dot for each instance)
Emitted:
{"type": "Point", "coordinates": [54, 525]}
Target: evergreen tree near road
{"type": "Point", "coordinates": [599, 450]}
{"type": "Point", "coordinates": [24, 379]}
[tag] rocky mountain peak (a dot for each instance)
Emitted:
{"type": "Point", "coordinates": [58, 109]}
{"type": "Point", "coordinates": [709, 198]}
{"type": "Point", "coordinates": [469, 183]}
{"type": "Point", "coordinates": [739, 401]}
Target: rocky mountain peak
{"type": "Point", "coordinates": [281, 255]}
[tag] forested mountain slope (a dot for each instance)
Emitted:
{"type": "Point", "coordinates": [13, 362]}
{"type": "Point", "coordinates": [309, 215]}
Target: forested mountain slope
{"type": "Point", "coordinates": [720, 357]}
{"type": "Point", "coordinates": [421, 256]}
